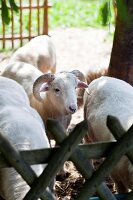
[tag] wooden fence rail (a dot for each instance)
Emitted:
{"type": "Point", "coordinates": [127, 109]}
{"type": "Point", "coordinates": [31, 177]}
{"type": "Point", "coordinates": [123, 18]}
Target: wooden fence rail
{"type": "Point", "coordinates": [31, 21]}
{"type": "Point", "coordinates": [41, 156]}
{"type": "Point", "coordinates": [70, 150]}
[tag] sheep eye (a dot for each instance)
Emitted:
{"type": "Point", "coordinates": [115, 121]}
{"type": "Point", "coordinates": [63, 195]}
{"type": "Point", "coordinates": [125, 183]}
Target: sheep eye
{"type": "Point", "coordinates": [57, 90]}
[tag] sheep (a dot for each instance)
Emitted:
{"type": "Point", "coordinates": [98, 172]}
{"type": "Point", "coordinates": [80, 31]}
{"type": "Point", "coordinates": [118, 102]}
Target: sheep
{"type": "Point", "coordinates": [95, 72]}
{"type": "Point", "coordinates": [90, 75]}
{"type": "Point", "coordinates": [40, 52]}
{"type": "Point", "coordinates": [110, 96]}
{"type": "Point", "coordinates": [24, 128]}
{"type": "Point", "coordinates": [53, 96]}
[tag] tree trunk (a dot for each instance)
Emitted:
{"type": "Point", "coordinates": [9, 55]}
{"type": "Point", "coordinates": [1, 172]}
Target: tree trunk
{"type": "Point", "coordinates": [121, 62]}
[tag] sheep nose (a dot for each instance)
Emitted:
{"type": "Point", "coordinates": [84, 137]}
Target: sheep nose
{"type": "Point", "coordinates": [72, 108]}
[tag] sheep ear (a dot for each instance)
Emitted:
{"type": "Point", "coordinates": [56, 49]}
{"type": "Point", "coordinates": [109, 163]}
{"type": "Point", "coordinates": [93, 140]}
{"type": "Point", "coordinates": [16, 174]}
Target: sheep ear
{"type": "Point", "coordinates": [41, 84]}
{"type": "Point", "coordinates": [82, 84]}
{"type": "Point", "coordinates": [44, 87]}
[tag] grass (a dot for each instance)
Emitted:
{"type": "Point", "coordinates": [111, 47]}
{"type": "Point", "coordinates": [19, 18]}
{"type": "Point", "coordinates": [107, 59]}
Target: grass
{"type": "Point", "coordinates": [76, 13]}
{"type": "Point", "coordinates": [64, 14]}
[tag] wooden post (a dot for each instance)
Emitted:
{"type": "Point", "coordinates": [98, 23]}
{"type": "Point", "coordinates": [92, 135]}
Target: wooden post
{"type": "Point", "coordinates": [3, 26]}
{"type": "Point", "coordinates": [30, 11]}
{"type": "Point", "coordinates": [81, 161]}
{"type": "Point", "coordinates": [21, 22]}
{"type": "Point", "coordinates": [23, 168]}
{"type": "Point", "coordinates": [12, 26]}
{"type": "Point", "coordinates": [38, 18]}
{"type": "Point", "coordinates": [119, 150]}
{"type": "Point", "coordinates": [56, 161]}
{"type": "Point", "coordinates": [45, 18]}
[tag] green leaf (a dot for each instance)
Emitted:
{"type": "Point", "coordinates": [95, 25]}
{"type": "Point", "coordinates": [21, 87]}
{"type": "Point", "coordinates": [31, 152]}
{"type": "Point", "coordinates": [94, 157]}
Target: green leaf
{"type": "Point", "coordinates": [105, 13]}
{"type": "Point", "coordinates": [5, 13]}
{"type": "Point", "coordinates": [13, 5]}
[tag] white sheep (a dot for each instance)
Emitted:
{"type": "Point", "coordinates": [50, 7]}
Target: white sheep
{"type": "Point", "coordinates": [24, 128]}
{"type": "Point", "coordinates": [95, 72]}
{"type": "Point", "coordinates": [40, 52]}
{"type": "Point", "coordinates": [110, 96]}
{"type": "Point", "coordinates": [54, 95]}
{"type": "Point", "coordinates": [92, 74]}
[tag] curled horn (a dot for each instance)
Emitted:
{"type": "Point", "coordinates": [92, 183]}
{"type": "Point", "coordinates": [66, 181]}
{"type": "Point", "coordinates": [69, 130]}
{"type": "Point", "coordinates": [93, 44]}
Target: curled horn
{"type": "Point", "coordinates": [39, 81]}
{"type": "Point", "coordinates": [79, 75]}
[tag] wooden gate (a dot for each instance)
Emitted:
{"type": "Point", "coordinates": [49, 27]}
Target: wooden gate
{"type": "Point", "coordinates": [78, 154]}
{"type": "Point", "coordinates": [32, 20]}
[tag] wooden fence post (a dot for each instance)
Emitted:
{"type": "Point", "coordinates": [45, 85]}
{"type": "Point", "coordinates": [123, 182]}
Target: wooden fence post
{"type": "Point", "coordinates": [34, 8]}
{"type": "Point", "coordinates": [80, 160]}
{"type": "Point", "coordinates": [23, 168]}
{"type": "Point", "coordinates": [56, 161]}
{"type": "Point", "coordinates": [119, 150]}
{"type": "Point", "coordinates": [45, 18]}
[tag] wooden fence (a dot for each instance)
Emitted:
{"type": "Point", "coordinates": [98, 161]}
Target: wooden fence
{"type": "Point", "coordinates": [79, 154]}
{"type": "Point", "coordinates": [32, 20]}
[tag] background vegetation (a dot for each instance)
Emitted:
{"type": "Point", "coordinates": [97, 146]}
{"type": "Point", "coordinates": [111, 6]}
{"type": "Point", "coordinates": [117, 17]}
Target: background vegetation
{"type": "Point", "coordinates": [81, 13]}
{"type": "Point", "coordinates": [70, 13]}
{"type": "Point", "coordinates": [63, 14]}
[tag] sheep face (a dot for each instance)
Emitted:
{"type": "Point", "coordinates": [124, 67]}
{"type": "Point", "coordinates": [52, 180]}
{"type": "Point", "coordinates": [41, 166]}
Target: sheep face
{"type": "Point", "coordinates": [61, 91]}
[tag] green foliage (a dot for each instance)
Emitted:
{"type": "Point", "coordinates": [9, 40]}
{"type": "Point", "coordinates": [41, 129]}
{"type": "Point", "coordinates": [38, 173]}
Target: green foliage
{"type": "Point", "coordinates": [68, 13]}
{"type": "Point", "coordinates": [5, 13]}
{"type": "Point", "coordinates": [63, 13]}
{"type": "Point", "coordinates": [105, 12]}
{"type": "Point", "coordinates": [13, 5]}
{"type": "Point", "coordinates": [80, 13]}
{"type": "Point", "coordinates": [75, 13]}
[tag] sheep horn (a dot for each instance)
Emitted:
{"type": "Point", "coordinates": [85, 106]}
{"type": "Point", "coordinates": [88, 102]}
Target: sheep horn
{"type": "Point", "coordinates": [39, 81]}
{"type": "Point", "coordinates": [79, 75]}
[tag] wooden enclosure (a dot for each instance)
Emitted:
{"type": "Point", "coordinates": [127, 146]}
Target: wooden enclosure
{"type": "Point", "coordinates": [80, 155]}
{"type": "Point", "coordinates": [30, 21]}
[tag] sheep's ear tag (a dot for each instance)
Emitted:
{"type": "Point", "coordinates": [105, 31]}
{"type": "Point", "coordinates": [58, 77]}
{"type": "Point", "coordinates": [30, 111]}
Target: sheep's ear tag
{"type": "Point", "coordinates": [44, 87]}
{"type": "Point", "coordinates": [82, 84]}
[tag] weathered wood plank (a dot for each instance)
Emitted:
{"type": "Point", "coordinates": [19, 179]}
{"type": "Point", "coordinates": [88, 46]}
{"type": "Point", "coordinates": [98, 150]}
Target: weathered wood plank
{"type": "Point", "coordinates": [41, 156]}
{"type": "Point", "coordinates": [15, 159]}
{"type": "Point", "coordinates": [118, 131]}
{"type": "Point", "coordinates": [57, 160]}
{"type": "Point", "coordinates": [81, 161]}
{"type": "Point", "coordinates": [120, 149]}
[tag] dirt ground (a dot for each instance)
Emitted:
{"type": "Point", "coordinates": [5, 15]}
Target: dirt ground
{"type": "Point", "coordinates": [81, 49]}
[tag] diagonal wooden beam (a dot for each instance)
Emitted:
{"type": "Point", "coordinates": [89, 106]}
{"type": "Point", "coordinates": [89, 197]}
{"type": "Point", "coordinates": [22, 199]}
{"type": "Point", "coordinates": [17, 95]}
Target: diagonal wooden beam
{"type": "Point", "coordinates": [79, 159]}
{"type": "Point", "coordinates": [121, 147]}
{"type": "Point", "coordinates": [57, 160]}
{"type": "Point", "coordinates": [14, 159]}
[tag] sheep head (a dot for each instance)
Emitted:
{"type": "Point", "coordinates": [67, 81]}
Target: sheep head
{"type": "Point", "coordinates": [61, 90]}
